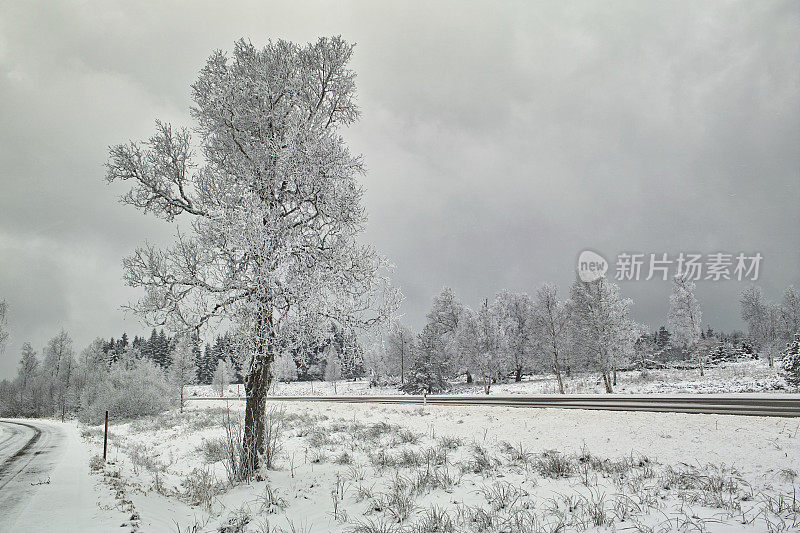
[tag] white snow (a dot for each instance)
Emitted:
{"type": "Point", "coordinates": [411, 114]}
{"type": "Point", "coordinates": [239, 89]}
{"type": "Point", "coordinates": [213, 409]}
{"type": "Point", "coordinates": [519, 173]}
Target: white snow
{"type": "Point", "coordinates": [72, 491]}
{"type": "Point", "coordinates": [764, 453]}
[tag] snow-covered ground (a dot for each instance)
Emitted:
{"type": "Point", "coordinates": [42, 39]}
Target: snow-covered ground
{"type": "Point", "coordinates": [744, 376]}
{"type": "Point", "coordinates": [384, 468]}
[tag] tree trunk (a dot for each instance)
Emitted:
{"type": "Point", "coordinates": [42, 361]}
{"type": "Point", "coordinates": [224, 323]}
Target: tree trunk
{"type": "Point", "coordinates": [615, 375]}
{"type": "Point", "coordinates": [518, 375]}
{"type": "Point", "coordinates": [469, 377]}
{"type": "Point", "coordinates": [402, 367]}
{"type": "Point", "coordinates": [607, 382]}
{"type": "Point", "coordinates": [256, 386]}
{"type": "Point", "coordinates": [560, 380]}
{"type": "Point", "coordinates": [487, 383]}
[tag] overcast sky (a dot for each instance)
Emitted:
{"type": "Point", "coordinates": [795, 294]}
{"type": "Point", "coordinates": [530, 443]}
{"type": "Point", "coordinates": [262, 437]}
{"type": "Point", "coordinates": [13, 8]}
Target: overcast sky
{"type": "Point", "coordinates": [501, 140]}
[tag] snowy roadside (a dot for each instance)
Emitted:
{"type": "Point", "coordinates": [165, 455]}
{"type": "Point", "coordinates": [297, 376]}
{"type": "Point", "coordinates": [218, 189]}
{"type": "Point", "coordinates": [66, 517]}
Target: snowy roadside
{"type": "Point", "coordinates": [392, 468]}
{"type": "Point", "coordinates": [72, 499]}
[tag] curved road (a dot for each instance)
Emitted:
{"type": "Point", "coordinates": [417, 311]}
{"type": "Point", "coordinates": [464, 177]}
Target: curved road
{"type": "Point", "coordinates": [28, 453]}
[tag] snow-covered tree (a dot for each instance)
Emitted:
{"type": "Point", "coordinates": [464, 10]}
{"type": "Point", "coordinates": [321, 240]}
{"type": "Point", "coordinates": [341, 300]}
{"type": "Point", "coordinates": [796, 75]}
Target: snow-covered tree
{"type": "Point", "coordinates": [765, 325]}
{"type": "Point", "coordinates": [29, 389]}
{"type": "Point", "coordinates": [399, 346]}
{"type": "Point", "coordinates": [790, 313]}
{"type": "Point", "coordinates": [223, 374]}
{"type": "Point", "coordinates": [435, 356]}
{"type": "Point", "coordinates": [275, 206]}
{"type": "Point", "coordinates": [333, 366]}
{"type": "Point", "coordinates": [516, 317]}
{"type": "Point", "coordinates": [427, 365]}
{"type": "Point", "coordinates": [481, 343]}
{"type": "Point", "coordinates": [28, 366]}
{"type": "Point", "coordinates": [285, 368]}
{"type": "Point", "coordinates": [376, 362]}
{"type": "Point", "coordinates": [182, 370]}
{"type": "Point", "coordinates": [351, 356]}
{"type": "Point", "coordinates": [3, 325]}
{"type": "Point", "coordinates": [685, 317]}
{"type": "Point", "coordinates": [600, 322]}
{"type": "Point", "coordinates": [91, 368]}
{"type": "Point", "coordinates": [441, 323]}
{"type": "Point", "coordinates": [551, 322]}
{"type": "Point", "coordinates": [57, 367]}
{"type": "Point", "coordinates": [790, 363]}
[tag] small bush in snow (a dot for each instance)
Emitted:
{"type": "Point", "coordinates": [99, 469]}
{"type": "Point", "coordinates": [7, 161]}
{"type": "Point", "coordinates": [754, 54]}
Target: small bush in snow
{"type": "Point", "coordinates": [213, 450]}
{"type": "Point", "coordinates": [200, 487]}
{"type": "Point", "coordinates": [554, 465]}
{"type": "Point", "coordinates": [96, 463]}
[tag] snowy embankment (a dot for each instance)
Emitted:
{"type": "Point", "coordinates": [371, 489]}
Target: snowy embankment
{"type": "Point", "coordinates": [365, 468]}
{"type": "Point", "coordinates": [744, 376]}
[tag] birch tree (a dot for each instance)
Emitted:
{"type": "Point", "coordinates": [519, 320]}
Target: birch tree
{"type": "Point", "coordinates": [601, 323]}
{"type": "Point", "coordinates": [551, 322]}
{"type": "Point", "coordinates": [481, 342]}
{"type": "Point", "coordinates": [274, 209]}
{"type": "Point", "coordinates": [222, 376]}
{"type": "Point", "coordinates": [764, 322]}
{"type": "Point", "coordinates": [399, 347]}
{"type": "Point", "coordinates": [57, 367]}
{"type": "Point", "coordinates": [685, 317]}
{"type": "Point", "coordinates": [182, 371]}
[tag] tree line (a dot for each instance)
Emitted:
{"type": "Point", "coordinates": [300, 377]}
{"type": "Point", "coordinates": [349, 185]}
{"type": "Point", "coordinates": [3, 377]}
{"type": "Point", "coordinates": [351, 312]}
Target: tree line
{"type": "Point", "coordinates": [589, 330]}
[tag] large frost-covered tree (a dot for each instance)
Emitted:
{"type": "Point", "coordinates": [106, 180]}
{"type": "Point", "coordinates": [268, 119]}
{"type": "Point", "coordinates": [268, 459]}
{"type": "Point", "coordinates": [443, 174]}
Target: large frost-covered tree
{"type": "Point", "coordinates": [274, 207]}
{"type": "Point", "coordinates": [685, 317]}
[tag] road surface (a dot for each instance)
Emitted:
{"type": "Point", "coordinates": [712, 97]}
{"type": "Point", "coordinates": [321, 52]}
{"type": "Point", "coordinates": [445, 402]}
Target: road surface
{"type": "Point", "coordinates": [45, 483]}
{"type": "Point", "coordinates": [28, 453]}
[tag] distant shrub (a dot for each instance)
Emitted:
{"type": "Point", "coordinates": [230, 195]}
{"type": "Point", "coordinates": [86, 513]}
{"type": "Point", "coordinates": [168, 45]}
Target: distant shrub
{"type": "Point", "coordinates": [131, 389]}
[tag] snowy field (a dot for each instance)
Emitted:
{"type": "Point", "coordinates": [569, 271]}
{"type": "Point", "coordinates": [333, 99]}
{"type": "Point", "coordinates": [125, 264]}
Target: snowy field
{"type": "Point", "coordinates": [745, 376]}
{"type": "Point", "coordinates": [382, 468]}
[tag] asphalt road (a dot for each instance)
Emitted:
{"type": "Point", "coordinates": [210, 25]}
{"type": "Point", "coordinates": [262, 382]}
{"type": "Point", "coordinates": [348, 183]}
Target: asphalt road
{"type": "Point", "coordinates": [782, 405]}
{"type": "Point", "coordinates": [28, 453]}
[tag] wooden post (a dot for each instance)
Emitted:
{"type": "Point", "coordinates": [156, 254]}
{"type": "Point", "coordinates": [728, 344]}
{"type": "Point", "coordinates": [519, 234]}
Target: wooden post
{"type": "Point", "coordinates": [105, 439]}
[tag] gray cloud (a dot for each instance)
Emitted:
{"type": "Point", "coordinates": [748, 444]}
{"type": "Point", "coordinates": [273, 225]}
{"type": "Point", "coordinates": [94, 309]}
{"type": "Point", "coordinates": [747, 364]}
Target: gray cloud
{"type": "Point", "coordinates": [501, 140]}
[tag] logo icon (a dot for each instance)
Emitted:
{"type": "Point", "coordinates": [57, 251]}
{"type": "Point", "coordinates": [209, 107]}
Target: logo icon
{"type": "Point", "coordinates": [591, 266]}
